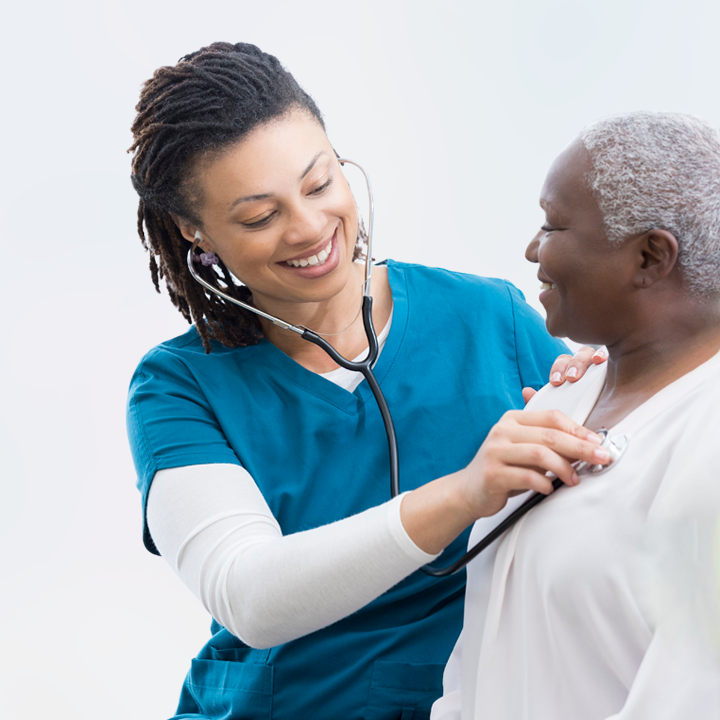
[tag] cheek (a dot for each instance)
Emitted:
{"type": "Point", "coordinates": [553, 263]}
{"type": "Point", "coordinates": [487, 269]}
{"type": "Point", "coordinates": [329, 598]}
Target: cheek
{"type": "Point", "coordinates": [343, 202]}
{"type": "Point", "coordinates": [551, 258]}
{"type": "Point", "coordinates": [573, 269]}
{"type": "Point", "coordinates": [245, 257]}
{"type": "Point", "coordinates": [348, 212]}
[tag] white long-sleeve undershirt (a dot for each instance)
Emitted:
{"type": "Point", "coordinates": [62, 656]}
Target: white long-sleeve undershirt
{"type": "Point", "coordinates": [213, 526]}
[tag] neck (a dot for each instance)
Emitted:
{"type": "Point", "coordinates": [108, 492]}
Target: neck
{"type": "Point", "coordinates": [665, 347]}
{"type": "Point", "coordinates": [338, 319]}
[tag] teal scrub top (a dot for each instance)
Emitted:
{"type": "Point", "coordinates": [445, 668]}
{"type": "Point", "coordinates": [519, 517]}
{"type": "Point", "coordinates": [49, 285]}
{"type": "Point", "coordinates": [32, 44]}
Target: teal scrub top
{"type": "Point", "coordinates": [460, 350]}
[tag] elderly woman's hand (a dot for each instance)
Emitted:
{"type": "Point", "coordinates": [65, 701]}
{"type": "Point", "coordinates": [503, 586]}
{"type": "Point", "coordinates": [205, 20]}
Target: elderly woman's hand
{"type": "Point", "coordinates": [571, 367]}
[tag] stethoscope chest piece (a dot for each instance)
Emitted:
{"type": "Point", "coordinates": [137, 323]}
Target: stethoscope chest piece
{"type": "Point", "coordinates": [615, 445]}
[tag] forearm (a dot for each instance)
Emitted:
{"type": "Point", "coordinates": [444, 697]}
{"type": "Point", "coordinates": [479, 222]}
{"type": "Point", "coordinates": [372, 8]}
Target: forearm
{"type": "Point", "coordinates": [434, 514]}
{"type": "Point", "coordinates": [214, 528]}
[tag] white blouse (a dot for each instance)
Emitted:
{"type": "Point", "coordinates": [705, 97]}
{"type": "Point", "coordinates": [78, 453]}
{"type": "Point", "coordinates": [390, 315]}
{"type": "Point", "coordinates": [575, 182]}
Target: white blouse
{"type": "Point", "coordinates": [603, 601]}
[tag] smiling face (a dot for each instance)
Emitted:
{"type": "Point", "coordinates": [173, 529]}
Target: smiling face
{"type": "Point", "coordinates": [586, 281]}
{"type": "Point", "coordinates": [277, 209]}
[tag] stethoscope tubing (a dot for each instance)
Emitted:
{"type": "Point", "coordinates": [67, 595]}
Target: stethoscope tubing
{"type": "Point", "coordinates": [491, 537]}
{"type": "Point", "coordinates": [365, 367]}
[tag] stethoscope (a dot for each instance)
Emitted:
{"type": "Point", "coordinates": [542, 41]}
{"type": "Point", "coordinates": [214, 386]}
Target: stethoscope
{"type": "Point", "coordinates": [615, 446]}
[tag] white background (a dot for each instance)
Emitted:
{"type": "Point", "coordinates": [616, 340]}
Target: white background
{"type": "Point", "coordinates": [456, 109]}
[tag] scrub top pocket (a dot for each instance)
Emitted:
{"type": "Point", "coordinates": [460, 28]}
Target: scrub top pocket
{"type": "Point", "coordinates": [232, 690]}
{"type": "Point", "coordinates": [403, 691]}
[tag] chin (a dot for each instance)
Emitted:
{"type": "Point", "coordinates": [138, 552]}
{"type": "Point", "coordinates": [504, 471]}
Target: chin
{"type": "Point", "coordinates": [581, 337]}
{"type": "Point", "coordinates": [555, 328]}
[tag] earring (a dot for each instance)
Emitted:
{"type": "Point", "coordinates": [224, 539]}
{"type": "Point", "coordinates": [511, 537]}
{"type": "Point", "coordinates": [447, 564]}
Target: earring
{"type": "Point", "coordinates": [206, 258]}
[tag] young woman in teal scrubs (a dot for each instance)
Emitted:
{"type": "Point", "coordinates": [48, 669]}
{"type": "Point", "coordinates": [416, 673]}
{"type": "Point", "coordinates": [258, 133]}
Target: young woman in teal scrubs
{"type": "Point", "coordinates": [263, 467]}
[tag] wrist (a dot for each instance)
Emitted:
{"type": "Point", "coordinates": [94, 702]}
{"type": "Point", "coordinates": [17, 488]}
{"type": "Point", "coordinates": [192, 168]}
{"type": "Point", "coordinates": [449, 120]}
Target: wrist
{"type": "Point", "coordinates": [433, 515]}
{"type": "Point", "coordinates": [461, 503]}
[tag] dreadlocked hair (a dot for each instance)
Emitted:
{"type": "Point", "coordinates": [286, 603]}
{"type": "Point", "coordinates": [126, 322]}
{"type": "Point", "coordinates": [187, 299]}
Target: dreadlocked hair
{"type": "Point", "coordinates": [208, 101]}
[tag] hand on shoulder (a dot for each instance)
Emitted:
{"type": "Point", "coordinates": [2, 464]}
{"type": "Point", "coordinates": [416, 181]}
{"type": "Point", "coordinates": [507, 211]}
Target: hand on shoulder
{"type": "Point", "coordinates": [570, 368]}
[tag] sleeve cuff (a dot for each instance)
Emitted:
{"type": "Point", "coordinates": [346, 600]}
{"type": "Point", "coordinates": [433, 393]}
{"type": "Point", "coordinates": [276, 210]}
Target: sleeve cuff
{"type": "Point", "coordinates": [398, 532]}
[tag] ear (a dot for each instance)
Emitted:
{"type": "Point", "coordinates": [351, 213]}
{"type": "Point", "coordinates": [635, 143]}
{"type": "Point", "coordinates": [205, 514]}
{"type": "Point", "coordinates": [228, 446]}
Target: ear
{"type": "Point", "coordinates": [659, 252]}
{"type": "Point", "coordinates": [188, 230]}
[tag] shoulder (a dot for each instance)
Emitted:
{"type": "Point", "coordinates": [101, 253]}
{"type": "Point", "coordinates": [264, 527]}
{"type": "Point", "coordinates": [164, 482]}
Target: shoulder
{"type": "Point", "coordinates": [696, 414]}
{"type": "Point", "coordinates": [171, 357]}
{"type": "Point", "coordinates": [188, 349]}
{"type": "Point", "coordinates": [458, 284]}
{"type": "Point", "coordinates": [489, 313]}
{"type": "Point", "coordinates": [568, 396]}
{"type": "Point", "coordinates": [183, 362]}
{"type": "Point", "coordinates": [187, 345]}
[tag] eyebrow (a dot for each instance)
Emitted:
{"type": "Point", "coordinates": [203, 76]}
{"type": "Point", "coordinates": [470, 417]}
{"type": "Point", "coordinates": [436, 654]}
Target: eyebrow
{"type": "Point", "coordinates": [551, 209]}
{"type": "Point", "coordinates": [265, 196]}
{"type": "Point", "coordinates": [249, 198]}
{"type": "Point", "coordinates": [311, 165]}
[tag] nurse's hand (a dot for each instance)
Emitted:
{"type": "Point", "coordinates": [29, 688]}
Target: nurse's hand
{"type": "Point", "coordinates": [570, 367]}
{"type": "Point", "coordinates": [515, 456]}
{"type": "Point", "coordinates": [519, 451]}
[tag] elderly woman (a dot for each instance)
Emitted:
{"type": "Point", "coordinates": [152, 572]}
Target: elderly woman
{"type": "Point", "coordinates": [601, 603]}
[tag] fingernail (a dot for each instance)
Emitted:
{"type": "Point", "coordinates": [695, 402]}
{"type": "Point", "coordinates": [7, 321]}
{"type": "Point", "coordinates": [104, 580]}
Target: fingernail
{"type": "Point", "coordinates": [575, 479]}
{"type": "Point", "coordinates": [556, 377]}
{"type": "Point", "coordinates": [602, 455]}
{"type": "Point", "coordinates": [593, 438]}
{"type": "Point", "coordinates": [600, 353]}
{"type": "Point", "coordinates": [572, 372]}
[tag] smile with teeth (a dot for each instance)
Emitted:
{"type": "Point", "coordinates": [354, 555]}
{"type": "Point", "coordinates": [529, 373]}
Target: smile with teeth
{"type": "Point", "coordinates": [318, 259]}
{"type": "Point", "coordinates": [547, 286]}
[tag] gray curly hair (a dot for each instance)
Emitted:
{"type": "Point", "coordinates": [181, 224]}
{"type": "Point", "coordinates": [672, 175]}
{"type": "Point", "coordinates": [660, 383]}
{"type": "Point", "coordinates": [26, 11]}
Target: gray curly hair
{"type": "Point", "coordinates": [661, 170]}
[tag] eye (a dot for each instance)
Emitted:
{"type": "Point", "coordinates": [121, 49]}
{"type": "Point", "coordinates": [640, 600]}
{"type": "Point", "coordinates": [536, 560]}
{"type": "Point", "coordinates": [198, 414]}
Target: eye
{"type": "Point", "coordinates": [321, 188]}
{"type": "Point", "coordinates": [259, 223]}
{"type": "Point", "coordinates": [548, 229]}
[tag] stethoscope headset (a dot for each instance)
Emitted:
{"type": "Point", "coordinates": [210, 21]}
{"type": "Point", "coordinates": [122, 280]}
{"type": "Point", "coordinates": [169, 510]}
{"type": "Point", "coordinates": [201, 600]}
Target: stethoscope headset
{"type": "Point", "coordinates": [615, 446]}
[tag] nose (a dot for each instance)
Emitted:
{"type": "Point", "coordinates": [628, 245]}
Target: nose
{"type": "Point", "coordinates": [306, 223]}
{"type": "Point", "coordinates": [531, 251]}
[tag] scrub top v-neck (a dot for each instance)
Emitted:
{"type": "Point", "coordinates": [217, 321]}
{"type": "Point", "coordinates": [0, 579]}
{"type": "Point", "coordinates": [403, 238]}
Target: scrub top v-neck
{"type": "Point", "coordinates": [322, 387]}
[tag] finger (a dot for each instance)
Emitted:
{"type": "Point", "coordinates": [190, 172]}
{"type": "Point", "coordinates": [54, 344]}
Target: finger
{"type": "Point", "coordinates": [569, 447]}
{"type": "Point", "coordinates": [520, 479]}
{"type": "Point", "coordinates": [600, 356]}
{"type": "Point", "coordinates": [557, 371]}
{"type": "Point", "coordinates": [579, 363]}
{"type": "Point", "coordinates": [538, 458]}
{"type": "Point", "coordinates": [547, 419]}
{"type": "Point", "coordinates": [528, 393]}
